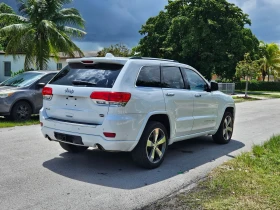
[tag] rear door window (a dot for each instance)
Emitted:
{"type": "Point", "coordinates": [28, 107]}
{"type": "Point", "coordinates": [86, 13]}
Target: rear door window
{"type": "Point", "coordinates": [172, 78]}
{"type": "Point", "coordinates": [149, 76]}
{"type": "Point", "coordinates": [94, 75]}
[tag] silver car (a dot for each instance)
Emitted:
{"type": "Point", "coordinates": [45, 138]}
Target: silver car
{"type": "Point", "coordinates": [21, 96]}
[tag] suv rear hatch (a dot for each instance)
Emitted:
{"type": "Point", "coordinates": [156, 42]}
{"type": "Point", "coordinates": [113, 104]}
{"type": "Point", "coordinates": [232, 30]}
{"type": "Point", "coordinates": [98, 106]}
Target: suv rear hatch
{"type": "Point", "coordinates": [69, 95]}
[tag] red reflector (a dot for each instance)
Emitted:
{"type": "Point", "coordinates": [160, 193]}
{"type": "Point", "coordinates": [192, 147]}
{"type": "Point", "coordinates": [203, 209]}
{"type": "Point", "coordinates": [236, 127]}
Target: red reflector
{"type": "Point", "coordinates": [111, 96]}
{"type": "Point", "coordinates": [109, 135]}
{"type": "Point", "coordinates": [87, 62]}
{"type": "Point", "coordinates": [47, 91]}
{"type": "Point", "coordinates": [41, 124]}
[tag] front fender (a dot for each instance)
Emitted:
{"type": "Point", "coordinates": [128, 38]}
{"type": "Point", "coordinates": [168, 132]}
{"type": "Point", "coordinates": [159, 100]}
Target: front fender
{"type": "Point", "coordinates": [221, 113]}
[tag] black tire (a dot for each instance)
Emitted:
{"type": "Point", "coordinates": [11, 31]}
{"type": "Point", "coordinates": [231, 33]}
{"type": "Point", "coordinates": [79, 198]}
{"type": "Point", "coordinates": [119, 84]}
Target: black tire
{"type": "Point", "coordinates": [73, 148]}
{"type": "Point", "coordinates": [224, 138]}
{"type": "Point", "coordinates": [21, 111]}
{"type": "Point", "coordinates": [148, 156]}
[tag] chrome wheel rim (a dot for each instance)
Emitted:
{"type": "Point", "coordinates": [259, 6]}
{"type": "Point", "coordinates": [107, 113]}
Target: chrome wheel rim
{"type": "Point", "coordinates": [156, 145]}
{"type": "Point", "coordinates": [227, 128]}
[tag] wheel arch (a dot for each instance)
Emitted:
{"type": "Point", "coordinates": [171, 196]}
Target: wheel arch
{"type": "Point", "coordinates": [228, 107]}
{"type": "Point", "coordinates": [25, 100]}
{"type": "Point", "coordinates": [161, 117]}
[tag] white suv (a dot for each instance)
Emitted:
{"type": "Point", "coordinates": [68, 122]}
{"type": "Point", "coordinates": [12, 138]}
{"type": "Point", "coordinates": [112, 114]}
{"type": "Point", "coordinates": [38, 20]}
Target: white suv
{"type": "Point", "coordinates": [137, 105]}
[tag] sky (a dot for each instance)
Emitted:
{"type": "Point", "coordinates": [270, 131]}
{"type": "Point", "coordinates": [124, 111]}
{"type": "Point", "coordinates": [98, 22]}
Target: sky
{"type": "Point", "coordinates": [119, 21]}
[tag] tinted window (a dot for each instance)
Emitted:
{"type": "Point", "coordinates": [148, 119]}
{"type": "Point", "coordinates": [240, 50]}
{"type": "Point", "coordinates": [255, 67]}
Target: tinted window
{"type": "Point", "coordinates": [149, 76]}
{"type": "Point", "coordinates": [46, 78]}
{"type": "Point", "coordinates": [172, 78]}
{"type": "Point", "coordinates": [195, 81]}
{"type": "Point", "coordinates": [23, 80]}
{"type": "Point", "coordinates": [97, 75]}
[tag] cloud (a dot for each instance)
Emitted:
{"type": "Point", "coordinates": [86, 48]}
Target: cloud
{"type": "Point", "coordinates": [113, 21]}
{"type": "Point", "coordinates": [264, 15]}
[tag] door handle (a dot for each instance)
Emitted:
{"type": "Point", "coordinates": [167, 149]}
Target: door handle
{"type": "Point", "coordinates": [170, 94]}
{"type": "Point", "coordinates": [197, 95]}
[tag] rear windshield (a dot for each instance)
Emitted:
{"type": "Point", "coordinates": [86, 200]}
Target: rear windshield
{"type": "Point", "coordinates": [95, 75]}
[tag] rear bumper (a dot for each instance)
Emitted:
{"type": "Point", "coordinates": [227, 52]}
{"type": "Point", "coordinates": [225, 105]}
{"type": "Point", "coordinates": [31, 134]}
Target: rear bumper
{"type": "Point", "coordinates": [126, 128]}
{"type": "Point", "coordinates": [92, 140]}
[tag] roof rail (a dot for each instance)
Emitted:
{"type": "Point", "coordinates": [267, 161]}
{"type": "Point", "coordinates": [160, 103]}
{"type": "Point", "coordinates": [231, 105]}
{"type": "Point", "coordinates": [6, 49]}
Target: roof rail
{"type": "Point", "coordinates": [147, 58]}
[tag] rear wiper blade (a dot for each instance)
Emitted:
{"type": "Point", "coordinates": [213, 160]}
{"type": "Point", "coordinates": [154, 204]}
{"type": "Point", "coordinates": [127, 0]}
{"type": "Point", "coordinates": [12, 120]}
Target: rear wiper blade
{"type": "Point", "coordinates": [80, 82]}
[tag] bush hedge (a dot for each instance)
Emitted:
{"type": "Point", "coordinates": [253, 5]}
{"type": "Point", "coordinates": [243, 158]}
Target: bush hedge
{"type": "Point", "coordinates": [258, 86]}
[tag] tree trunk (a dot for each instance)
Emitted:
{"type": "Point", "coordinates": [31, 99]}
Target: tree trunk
{"type": "Point", "coordinates": [246, 89]}
{"type": "Point", "coordinates": [263, 75]}
{"type": "Point", "coordinates": [268, 75]}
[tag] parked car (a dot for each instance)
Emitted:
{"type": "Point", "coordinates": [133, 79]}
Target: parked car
{"type": "Point", "coordinates": [21, 96]}
{"type": "Point", "coordinates": [137, 105]}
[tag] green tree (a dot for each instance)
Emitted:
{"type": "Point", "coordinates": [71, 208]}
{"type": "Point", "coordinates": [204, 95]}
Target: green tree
{"type": "Point", "coordinates": [247, 68]}
{"type": "Point", "coordinates": [43, 29]}
{"type": "Point", "coordinates": [270, 59]}
{"type": "Point", "coordinates": [118, 50]}
{"type": "Point", "coordinates": [210, 35]}
{"type": "Point", "coordinates": [4, 8]}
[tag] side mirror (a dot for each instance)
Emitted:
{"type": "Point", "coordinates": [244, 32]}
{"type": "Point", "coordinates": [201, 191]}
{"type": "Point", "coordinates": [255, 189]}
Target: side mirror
{"type": "Point", "coordinates": [41, 85]}
{"type": "Point", "coordinates": [214, 86]}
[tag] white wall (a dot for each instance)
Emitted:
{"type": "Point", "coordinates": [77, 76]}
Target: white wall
{"type": "Point", "coordinates": [18, 64]}
{"type": "Point", "coordinates": [63, 61]}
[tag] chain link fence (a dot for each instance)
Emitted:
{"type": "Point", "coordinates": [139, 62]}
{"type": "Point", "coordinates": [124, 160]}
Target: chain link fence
{"type": "Point", "coordinates": [228, 88]}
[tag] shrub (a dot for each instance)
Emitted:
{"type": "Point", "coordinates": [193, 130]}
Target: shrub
{"type": "Point", "coordinates": [258, 86]}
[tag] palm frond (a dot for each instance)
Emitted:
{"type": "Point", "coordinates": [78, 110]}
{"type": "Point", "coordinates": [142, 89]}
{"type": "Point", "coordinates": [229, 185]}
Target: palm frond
{"type": "Point", "coordinates": [4, 8]}
{"type": "Point", "coordinates": [69, 11]}
{"type": "Point", "coordinates": [73, 32]}
{"type": "Point", "coordinates": [15, 29]}
{"type": "Point", "coordinates": [43, 31]}
{"type": "Point", "coordinates": [69, 19]}
{"type": "Point", "coordinates": [8, 18]}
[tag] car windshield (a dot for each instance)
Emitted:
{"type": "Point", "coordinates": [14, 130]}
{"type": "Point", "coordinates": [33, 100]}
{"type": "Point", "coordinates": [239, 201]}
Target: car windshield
{"type": "Point", "coordinates": [22, 80]}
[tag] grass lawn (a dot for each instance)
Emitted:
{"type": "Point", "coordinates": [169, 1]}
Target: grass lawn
{"type": "Point", "coordinates": [238, 99]}
{"type": "Point", "coordinates": [262, 94]}
{"type": "Point", "coordinates": [250, 181]}
{"type": "Point", "coordinates": [4, 123]}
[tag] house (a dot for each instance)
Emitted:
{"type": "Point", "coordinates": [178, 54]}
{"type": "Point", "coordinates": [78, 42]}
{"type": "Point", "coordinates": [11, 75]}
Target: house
{"type": "Point", "coordinates": [62, 58]}
{"type": "Point", "coordinates": [10, 63]}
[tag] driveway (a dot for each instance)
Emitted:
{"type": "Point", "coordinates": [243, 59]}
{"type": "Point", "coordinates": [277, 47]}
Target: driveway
{"type": "Point", "coordinates": [38, 174]}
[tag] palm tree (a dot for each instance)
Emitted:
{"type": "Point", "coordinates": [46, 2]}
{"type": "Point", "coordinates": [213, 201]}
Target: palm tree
{"type": "Point", "coordinates": [270, 61]}
{"type": "Point", "coordinates": [4, 8]}
{"type": "Point", "coordinates": [43, 29]}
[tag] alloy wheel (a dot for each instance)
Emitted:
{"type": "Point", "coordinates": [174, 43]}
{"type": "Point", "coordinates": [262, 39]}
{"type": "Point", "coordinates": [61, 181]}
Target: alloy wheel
{"type": "Point", "coordinates": [22, 112]}
{"type": "Point", "coordinates": [156, 145]}
{"type": "Point", "coordinates": [227, 128]}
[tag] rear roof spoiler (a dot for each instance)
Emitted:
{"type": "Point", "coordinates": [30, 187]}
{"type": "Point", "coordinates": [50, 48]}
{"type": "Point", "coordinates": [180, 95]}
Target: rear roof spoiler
{"type": "Point", "coordinates": [113, 60]}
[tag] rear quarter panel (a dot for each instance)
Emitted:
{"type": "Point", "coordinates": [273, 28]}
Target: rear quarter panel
{"type": "Point", "coordinates": [143, 99]}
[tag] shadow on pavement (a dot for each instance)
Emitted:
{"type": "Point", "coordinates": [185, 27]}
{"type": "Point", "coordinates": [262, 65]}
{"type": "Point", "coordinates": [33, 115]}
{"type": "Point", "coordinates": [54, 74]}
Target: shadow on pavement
{"type": "Point", "coordinates": [117, 170]}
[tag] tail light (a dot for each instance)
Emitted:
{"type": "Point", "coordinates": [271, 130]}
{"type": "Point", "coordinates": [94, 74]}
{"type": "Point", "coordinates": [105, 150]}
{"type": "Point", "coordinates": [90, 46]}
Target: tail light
{"type": "Point", "coordinates": [112, 98]}
{"type": "Point", "coordinates": [47, 93]}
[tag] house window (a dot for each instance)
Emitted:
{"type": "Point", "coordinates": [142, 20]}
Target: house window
{"type": "Point", "coordinates": [7, 69]}
{"type": "Point", "coordinates": [59, 66]}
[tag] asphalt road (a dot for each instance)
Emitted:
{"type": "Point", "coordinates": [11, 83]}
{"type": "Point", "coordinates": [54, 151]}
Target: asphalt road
{"type": "Point", "coordinates": [38, 174]}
